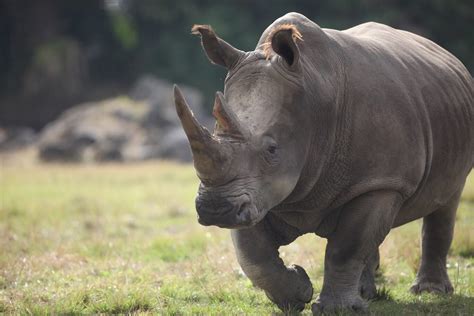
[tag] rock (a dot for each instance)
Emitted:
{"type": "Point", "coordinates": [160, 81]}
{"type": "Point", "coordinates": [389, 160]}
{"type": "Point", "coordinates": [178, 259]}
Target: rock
{"type": "Point", "coordinates": [143, 126]}
{"type": "Point", "coordinates": [159, 95]}
{"type": "Point", "coordinates": [175, 145]}
{"type": "Point", "coordinates": [94, 131]}
{"type": "Point", "coordinates": [13, 138]}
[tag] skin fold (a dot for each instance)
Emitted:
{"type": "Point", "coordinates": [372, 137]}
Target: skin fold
{"type": "Point", "coordinates": [345, 134]}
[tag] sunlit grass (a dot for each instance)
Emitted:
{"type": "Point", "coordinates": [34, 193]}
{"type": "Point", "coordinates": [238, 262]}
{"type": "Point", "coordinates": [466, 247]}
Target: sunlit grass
{"type": "Point", "coordinates": [124, 239]}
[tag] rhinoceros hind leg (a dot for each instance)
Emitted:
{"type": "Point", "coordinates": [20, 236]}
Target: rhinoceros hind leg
{"type": "Point", "coordinates": [437, 234]}
{"type": "Point", "coordinates": [367, 287]}
{"type": "Point", "coordinates": [257, 252]}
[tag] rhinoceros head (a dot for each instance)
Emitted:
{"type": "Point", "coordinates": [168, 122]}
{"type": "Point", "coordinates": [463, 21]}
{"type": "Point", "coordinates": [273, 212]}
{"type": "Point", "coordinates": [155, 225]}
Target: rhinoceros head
{"type": "Point", "coordinates": [253, 159]}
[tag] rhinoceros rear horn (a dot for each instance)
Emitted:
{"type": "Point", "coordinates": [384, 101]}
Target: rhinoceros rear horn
{"type": "Point", "coordinates": [227, 123]}
{"type": "Point", "coordinates": [217, 50]}
{"type": "Point", "coordinates": [208, 153]}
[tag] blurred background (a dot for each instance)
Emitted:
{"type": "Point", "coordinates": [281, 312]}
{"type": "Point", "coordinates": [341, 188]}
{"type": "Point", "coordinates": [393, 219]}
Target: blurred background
{"type": "Point", "coordinates": [86, 81]}
{"type": "Point", "coordinates": [90, 80]}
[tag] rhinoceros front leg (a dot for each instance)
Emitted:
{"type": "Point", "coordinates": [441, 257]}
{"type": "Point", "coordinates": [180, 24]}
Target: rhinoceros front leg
{"type": "Point", "coordinates": [362, 226]}
{"type": "Point", "coordinates": [437, 234]}
{"type": "Point", "coordinates": [367, 287]}
{"type": "Point", "coordinates": [257, 253]}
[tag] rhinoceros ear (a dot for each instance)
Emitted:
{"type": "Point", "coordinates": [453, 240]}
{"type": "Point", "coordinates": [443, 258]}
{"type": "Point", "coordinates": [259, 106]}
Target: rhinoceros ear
{"type": "Point", "coordinates": [217, 50]}
{"type": "Point", "coordinates": [282, 41]}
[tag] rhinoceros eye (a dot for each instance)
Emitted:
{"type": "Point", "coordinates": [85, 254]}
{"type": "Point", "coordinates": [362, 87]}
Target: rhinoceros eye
{"type": "Point", "coordinates": [272, 149]}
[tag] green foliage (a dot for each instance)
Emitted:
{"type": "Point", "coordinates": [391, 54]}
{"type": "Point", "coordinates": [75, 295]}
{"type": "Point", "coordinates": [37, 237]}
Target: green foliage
{"type": "Point", "coordinates": [149, 36]}
{"type": "Point", "coordinates": [124, 30]}
{"type": "Point", "coordinates": [113, 239]}
{"type": "Point", "coordinates": [171, 52]}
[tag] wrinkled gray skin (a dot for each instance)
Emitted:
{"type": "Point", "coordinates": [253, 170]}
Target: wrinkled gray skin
{"type": "Point", "coordinates": [345, 134]}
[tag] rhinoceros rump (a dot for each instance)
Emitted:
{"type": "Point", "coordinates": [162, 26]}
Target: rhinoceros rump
{"type": "Point", "coordinates": [345, 134]}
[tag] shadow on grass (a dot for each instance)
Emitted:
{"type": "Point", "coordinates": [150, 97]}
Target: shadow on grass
{"type": "Point", "coordinates": [384, 304]}
{"type": "Point", "coordinates": [425, 305]}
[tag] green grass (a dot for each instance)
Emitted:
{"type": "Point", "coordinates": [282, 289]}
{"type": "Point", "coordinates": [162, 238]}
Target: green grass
{"type": "Point", "coordinates": [124, 239]}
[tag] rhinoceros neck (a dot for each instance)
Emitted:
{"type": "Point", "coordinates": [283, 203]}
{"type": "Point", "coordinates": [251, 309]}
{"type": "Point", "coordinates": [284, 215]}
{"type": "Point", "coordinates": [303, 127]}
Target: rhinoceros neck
{"type": "Point", "coordinates": [325, 173]}
{"type": "Point", "coordinates": [321, 184]}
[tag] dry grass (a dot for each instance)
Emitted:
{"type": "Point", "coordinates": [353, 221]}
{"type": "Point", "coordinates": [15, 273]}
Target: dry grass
{"type": "Point", "coordinates": [124, 238]}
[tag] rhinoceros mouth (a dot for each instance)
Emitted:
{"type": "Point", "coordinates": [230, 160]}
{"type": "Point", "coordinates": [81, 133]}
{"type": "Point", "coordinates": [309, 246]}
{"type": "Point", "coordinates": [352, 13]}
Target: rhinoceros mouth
{"type": "Point", "coordinates": [237, 215]}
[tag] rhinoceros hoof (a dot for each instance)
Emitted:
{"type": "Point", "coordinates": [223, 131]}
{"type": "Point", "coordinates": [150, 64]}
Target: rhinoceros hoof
{"type": "Point", "coordinates": [441, 287]}
{"type": "Point", "coordinates": [367, 289]}
{"type": "Point", "coordinates": [297, 291]}
{"type": "Point", "coordinates": [334, 305]}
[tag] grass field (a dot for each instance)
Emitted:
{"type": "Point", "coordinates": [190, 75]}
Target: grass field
{"type": "Point", "coordinates": [124, 239]}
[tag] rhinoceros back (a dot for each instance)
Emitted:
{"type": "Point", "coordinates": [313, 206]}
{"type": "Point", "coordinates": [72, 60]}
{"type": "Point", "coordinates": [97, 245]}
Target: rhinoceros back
{"type": "Point", "coordinates": [413, 108]}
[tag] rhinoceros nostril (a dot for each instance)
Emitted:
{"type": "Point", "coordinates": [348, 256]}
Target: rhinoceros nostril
{"type": "Point", "coordinates": [242, 207]}
{"type": "Point", "coordinates": [214, 208]}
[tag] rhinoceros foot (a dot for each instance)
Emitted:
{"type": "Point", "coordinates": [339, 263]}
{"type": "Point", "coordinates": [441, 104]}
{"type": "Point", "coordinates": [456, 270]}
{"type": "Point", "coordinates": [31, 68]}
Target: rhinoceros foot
{"type": "Point", "coordinates": [334, 305]}
{"type": "Point", "coordinates": [439, 287]}
{"type": "Point", "coordinates": [297, 293]}
{"type": "Point", "coordinates": [367, 289]}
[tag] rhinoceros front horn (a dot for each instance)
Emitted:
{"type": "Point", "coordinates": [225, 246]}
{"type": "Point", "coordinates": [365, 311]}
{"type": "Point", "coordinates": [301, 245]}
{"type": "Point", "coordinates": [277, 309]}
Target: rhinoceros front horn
{"type": "Point", "coordinates": [208, 154]}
